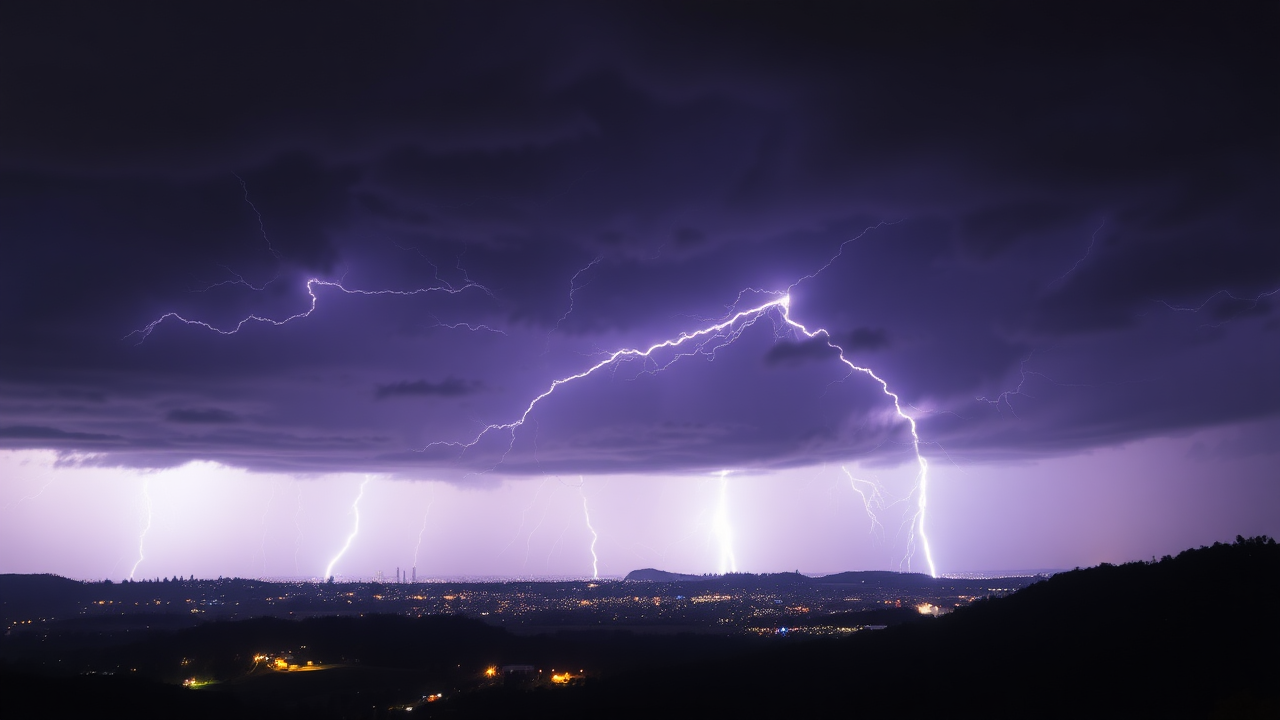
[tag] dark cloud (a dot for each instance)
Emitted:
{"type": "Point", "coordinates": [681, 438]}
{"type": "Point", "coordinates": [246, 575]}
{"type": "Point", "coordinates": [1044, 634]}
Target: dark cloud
{"type": "Point", "coordinates": [866, 339]}
{"type": "Point", "coordinates": [791, 353]}
{"type": "Point", "coordinates": [21, 433]}
{"type": "Point", "coordinates": [1065, 208]}
{"type": "Point", "coordinates": [202, 416]}
{"type": "Point", "coordinates": [449, 387]}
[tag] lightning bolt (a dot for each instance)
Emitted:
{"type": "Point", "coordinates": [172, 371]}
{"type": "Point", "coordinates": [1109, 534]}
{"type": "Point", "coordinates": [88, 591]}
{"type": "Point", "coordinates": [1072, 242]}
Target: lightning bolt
{"type": "Point", "coordinates": [473, 327]}
{"type": "Point", "coordinates": [1093, 239]}
{"type": "Point", "coordinates": [586, 513]}
{"type": "Point", "coordinates": [425, 515]}
{"type": "Point", "coordinates": [48, 481]}
{"type": "Point", "coordinates": [143, 536]}
{"type": "Point", "coordinates": [705, 341]}
{"type": "Point", "coordinates": [1004, 396]}
{"type": "Point", "coordinates": [261, 226]}
{"type": "Point", "coordinates": [875, 498]}
{"type": "Point", "coordinates": [922, 476]}
{"type": "Point", "coordinates": [311, 285]}
{"type": "Point", "coordinates": [573, 288]}
{"type": "Point", "coordinates": [355, 530]}
{"type": "Point", "coordinates": [239, 281]}
{"type": "Point", "coordinates": [528, 541]}
{"type": "Point", "coordinates": [721, 333]}
{"type": "Point", "coordinates": [720, 526]}
{"type": "Point", "coordinates": [1253, 303]}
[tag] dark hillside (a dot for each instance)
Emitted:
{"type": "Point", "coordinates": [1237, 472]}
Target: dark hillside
{"type": "Point", "coordinates": [1191, 636]}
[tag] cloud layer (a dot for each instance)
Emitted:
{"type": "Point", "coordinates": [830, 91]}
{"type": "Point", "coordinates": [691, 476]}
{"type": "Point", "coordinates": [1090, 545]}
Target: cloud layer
{"type": "Point", "coordinates": [1047, 229]}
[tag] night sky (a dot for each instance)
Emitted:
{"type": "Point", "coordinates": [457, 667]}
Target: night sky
{"type": "Point", "coordinates": [259, 263]}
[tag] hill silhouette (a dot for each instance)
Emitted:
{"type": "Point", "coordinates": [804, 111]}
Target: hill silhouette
{"type": "Point", "coordinates": [1188, 636]}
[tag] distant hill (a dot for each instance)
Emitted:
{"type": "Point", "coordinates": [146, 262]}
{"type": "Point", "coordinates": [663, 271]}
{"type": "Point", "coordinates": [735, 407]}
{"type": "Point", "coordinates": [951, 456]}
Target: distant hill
{"type": "Point", "coordinates": [862, 578]}
{"type": "Point", "coordinates": [652, 575]}
{"type": "Point", "coordinates": [879, 578]}
{"type": "Point", "coordinates": [37, 595]}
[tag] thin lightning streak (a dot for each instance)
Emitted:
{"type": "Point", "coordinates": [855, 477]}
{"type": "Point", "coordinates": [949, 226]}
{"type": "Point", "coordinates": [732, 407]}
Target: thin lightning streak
{"type": "Point", "coordinates": [239, 281]}
{"type": "Point", "coordinates": [1004, 396]}
{"type": "Point", "coordinates": [261, 225]}
{"type": "Point", "coordinates": [355, 508]}
{"type": "Point", "coordinates": [32, 496]}
{"type": "Point", "coordinates": [524, 514]}
{"type": "Point", "coordinates": [425, 515]}
{"type": "Point", "coordinates": [528, 541]}
{"type": "Point", "coordinates": [556, 544]}
{"type": "Point", "coordinates": [867, 501]}
{"type": "Point", "coordinates": [1093, 239]}
{"type": "Point", "coordinates": [311, 285]}
{"type": "Point", "coordinates": [435, 269]}
{"type": "Point", "coordinates": [586, 513]}
{"type": "Point", "coordinates": [573, 288]}
{"type": "Point", "coordinates": [839, 252]}
{"type": "Point", "coordinates": [473, 327]}
{"type": "Point", "coordinates": [466, 278]}
{"type": "Point", "coordinates": [1253, 303]}
{"type": "Point", "coordinates": [143, 536]}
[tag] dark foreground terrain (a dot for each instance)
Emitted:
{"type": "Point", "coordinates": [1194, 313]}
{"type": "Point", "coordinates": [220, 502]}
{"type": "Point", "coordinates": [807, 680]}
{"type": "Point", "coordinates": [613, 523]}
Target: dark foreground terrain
{"type": "Point", "coordinates": [1191, 636]}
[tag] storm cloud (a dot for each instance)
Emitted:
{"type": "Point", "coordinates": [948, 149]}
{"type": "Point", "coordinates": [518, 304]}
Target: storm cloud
{"type": "Point", "coordinates": [1047, 230]}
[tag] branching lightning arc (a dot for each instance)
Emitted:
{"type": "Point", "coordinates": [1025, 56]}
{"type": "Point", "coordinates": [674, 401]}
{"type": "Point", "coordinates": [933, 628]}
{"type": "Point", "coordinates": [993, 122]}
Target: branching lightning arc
{"type": "Point", "coordinates": [704, 341]}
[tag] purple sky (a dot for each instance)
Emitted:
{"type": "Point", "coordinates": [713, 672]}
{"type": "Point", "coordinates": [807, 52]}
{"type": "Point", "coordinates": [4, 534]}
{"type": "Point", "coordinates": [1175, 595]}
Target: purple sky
{"type": "Point", "coordinates": [1053, 234]}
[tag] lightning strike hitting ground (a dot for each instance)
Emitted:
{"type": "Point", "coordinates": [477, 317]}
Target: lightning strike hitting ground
{"type": "Point", "coordinates": [705, 341]}
{"type": "Point", "coordinates": [586, 512]}
{"type": "Point", "coordinates": [425, 515]}
{"type": "Point", "coordinates": [720, 527]}
{"type": "Point", "coordinates": [355, 530]}
{"type": "Point", "coordinates": [142, 538]}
